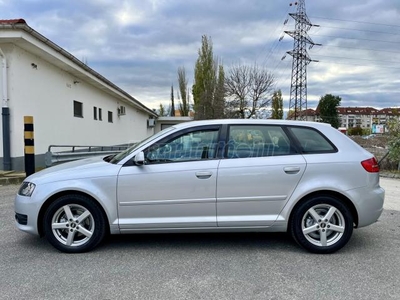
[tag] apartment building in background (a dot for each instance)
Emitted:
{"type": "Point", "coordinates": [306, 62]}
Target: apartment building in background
{"type": "Point", "coordinates": [363, 117]}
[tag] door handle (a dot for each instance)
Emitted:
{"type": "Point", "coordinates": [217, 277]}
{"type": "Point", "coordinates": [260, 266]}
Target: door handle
{"type": "Point", "coordinates": [291, 170]}
{"type": "Point", "coordinates": [203, 175]}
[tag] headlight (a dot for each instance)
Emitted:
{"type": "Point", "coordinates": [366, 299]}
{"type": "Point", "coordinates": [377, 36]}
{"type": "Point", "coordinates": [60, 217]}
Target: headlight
{"type": "Point", "coordinates": [26, 189]}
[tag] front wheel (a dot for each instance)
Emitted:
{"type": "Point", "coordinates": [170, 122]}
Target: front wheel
{"type": "Point", "coordinates": [322, 224]}
{"type": "Point", "coordinates": [74, 224]}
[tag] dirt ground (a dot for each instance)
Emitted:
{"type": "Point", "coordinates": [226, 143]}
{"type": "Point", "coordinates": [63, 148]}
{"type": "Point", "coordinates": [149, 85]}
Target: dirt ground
{"type": "Point", "coordinates": [378, 141]}
{"type": "Point", "coordinates": [377, 145]}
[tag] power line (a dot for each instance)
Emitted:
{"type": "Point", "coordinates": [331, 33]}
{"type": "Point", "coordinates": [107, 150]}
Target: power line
{"type": "Point", "coordinates": [362, 22]}
{"type": "Point", "coordinates": [374, 60]}
{"type": "Point", "coordinates": [339, 63]}
{"type": "Point", "coordinates": [269, 37]}
{"type": "Point", "coordinates": [369, 31]}
{"type": "Point", "coordinates": [339, 37]}
{"type": "Point", "coordinates": [268, 56]}
{"type": "Point", "coordinates": [366, 49]}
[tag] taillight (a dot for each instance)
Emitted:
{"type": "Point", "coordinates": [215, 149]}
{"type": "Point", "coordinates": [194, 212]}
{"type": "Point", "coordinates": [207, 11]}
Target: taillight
{"type": "Point", "coordinates": [370, 165]}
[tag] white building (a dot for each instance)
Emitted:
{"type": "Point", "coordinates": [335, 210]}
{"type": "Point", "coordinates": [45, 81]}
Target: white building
{"type": "Point", "coordinates": [71, 103]}
{"type": "Point", "coordinates": [356, 116]}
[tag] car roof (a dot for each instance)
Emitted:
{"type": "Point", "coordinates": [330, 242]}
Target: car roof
{"type": "Point", "coordinates": [250, 121]}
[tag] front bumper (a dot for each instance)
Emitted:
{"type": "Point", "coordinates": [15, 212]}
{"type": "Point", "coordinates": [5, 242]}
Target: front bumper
{"type": "Point", "coordinates": [27, 208]}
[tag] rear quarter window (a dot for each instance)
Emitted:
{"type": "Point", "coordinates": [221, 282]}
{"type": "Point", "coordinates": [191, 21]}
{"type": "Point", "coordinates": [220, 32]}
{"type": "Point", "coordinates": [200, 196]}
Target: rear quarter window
{"type": "Point", "coordinates": [312, 141]}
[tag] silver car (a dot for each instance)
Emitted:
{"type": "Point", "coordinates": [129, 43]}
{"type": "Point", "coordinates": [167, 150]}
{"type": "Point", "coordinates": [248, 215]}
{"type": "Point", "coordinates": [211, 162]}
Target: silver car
{"type": "Point", "coordinates": [305, 178]}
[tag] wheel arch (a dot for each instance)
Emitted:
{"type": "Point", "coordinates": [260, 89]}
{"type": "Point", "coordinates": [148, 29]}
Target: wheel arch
{"type": "Point", "coordinates": [52, 198]}
{"type": "Point", "coordinates": [340, 196]}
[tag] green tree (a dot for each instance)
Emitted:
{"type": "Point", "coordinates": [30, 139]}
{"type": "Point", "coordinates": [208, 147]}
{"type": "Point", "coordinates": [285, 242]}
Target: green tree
{"type": "Point", "coordinates": [327, 109]}
{"type": "Point", "coordinates": [248, 89]}
{"type": "Point", "coordinates": [277, 105]}
{"type": "Point", "coordinates": [355, 131]}
{"type": "Point", "coordinates": [182, 82]}
{"type": "Point", "coordinates": [162, 111]}
{"type": "Point", "coordinates": [208, 88]}
{"type": "Point", "coordinates": [394, 140]}
{"type": "Point", "coordinates": [219, 94]}
{"type": "Point", "coordinates": [172, 112]}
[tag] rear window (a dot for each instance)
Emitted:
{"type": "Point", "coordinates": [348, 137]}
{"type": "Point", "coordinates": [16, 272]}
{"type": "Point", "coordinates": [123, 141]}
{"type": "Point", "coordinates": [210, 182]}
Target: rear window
{"type": "Point", "coordinates": [312, 141]}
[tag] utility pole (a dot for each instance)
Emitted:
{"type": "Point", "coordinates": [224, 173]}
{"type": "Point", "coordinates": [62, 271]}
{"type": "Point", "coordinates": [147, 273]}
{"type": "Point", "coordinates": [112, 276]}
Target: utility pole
{"type": "Point", "coordinates": [298, 87]}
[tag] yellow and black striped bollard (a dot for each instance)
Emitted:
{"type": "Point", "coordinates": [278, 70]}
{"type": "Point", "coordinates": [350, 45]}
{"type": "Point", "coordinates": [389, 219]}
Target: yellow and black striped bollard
{"type": "Point", "coordinates": [29, 143]}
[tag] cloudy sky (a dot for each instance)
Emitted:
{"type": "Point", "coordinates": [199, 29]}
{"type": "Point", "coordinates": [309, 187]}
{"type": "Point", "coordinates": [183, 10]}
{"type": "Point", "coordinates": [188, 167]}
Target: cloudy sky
{"type": "Point", "coordinates": [139, 44]}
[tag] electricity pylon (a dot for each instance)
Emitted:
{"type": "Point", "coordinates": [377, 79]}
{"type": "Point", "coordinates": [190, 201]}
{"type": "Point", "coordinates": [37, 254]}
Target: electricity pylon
{"type": "Point", "coordinates": [298, 87]}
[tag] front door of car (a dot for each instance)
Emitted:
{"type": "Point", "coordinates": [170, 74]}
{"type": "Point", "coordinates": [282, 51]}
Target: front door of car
{"type": "Point", "coordinates": [176, 187]}
{"type": "Point", "coordinates": [257, 177]}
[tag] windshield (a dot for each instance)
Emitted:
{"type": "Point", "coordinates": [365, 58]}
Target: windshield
{"type": "Point", "coordinates": [120, 156]}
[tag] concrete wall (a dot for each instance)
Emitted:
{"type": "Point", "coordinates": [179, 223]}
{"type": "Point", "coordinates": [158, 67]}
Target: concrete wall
{"type": "Point", "coordinates": [165, 122]}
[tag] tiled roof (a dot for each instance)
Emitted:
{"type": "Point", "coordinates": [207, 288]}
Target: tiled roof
{"type": "Point", "coordinates": [391, 111]}
{"type": "Point", "coordinates": [13, 21]}
{"type": "Point", "coordinates": [356, 110]}
{"type": "Point", "coordinates": [307, 112]}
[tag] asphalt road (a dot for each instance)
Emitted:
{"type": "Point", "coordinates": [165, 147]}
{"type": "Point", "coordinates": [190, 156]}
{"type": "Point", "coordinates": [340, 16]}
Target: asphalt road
{"type": "Point", "coordinates": [203, 266]}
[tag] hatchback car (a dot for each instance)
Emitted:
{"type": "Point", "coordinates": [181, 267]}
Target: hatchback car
{"type": "Point", "coordinates": [304, 178]}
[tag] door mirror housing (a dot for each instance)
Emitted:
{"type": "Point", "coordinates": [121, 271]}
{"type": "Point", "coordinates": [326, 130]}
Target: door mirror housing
{"type": "Point", "coordinates": [139, 159]}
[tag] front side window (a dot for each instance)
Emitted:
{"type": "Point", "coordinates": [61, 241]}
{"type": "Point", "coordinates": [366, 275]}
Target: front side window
{"type": "Point", "coordinates": [247, 141]}
{"type": "Point", "coordinates": [94, 112]}
{"type": "Point", "coordinates": [100, 115]}
{"type": "Point", "coordinates": [120, 156]}
{"type": "Point", "coordinates": [78, 109]}
{"type": "Point", "coordinates": [110, 117]}
{"type": "Point", "coordinates": [190, 146]}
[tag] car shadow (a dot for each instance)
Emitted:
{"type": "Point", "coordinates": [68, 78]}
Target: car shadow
{"type": "Point", "coordinates": [196, 241]}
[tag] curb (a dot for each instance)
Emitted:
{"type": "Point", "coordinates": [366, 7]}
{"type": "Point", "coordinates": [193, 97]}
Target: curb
{"type": "Point", "coordinates": [11, 180]}
{"type": "Point", "coordinates": [390, 175]}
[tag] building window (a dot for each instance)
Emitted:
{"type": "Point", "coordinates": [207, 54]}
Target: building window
{"type": "Point", "coordinates": [110, 117]}
{"type": "Point", "coordinates": [78, 109]}
{"type": "Point", "coordinates": [100, 115]}
{"type": "Point", "coordinates": [95, 112]}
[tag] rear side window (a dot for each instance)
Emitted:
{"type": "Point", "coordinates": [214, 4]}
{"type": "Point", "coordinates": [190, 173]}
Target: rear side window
{"type": "Point", "coordinates": [245, 141]}
{"type": "Point", "coordinates": [312, 141]}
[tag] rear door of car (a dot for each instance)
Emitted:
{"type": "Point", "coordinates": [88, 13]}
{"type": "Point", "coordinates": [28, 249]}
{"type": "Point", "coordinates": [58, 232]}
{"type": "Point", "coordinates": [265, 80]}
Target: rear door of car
{"type": "Point", "coordinates": [260, 170]}
{"type": "Point", "coordinates": [176, 187]}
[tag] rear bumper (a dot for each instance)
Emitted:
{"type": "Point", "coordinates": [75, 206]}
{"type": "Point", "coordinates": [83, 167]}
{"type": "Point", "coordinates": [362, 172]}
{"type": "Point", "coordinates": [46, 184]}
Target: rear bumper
{"type": "Point", "coordinates": [369, 204]}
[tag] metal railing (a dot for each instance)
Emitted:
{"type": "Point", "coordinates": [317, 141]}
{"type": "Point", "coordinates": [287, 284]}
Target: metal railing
{"type": "Point", "coordinates": [74, 152]}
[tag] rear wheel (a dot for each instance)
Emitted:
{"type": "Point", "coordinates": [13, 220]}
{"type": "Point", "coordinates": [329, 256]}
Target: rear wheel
{"type": "Point", "coordinates": [74, 223]}
{"type": "Point", "coordinates": [322, 224]}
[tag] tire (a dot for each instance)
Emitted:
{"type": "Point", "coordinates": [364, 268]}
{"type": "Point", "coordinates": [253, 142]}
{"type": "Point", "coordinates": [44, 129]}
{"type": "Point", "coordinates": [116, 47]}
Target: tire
{"type": "Point", "coordinates": [74, 224]}
{"type": "Point", "coordinates": [322, 224]}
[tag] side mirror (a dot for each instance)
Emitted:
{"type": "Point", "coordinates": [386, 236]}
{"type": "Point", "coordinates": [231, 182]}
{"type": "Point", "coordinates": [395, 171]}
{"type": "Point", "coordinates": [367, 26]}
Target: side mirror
{"type": "Point", "coordinates": [139, 159]}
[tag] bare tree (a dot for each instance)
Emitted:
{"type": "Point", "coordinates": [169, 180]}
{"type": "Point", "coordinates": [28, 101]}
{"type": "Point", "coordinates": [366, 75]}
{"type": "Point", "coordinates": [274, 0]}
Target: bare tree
{"type": "Point", "coordinates": [248, 90]}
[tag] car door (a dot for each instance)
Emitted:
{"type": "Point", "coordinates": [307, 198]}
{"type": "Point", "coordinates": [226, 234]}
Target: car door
{"type": "Point", "coordinates": [260, 171]}
{"type": "Point", "coordinates": [176, 187]}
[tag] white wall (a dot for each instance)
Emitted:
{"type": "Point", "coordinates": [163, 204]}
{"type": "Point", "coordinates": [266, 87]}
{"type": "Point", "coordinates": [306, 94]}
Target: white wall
{"type": "Point", "coordinates": [1, 98]}
{"type": "Point", "coordinates": [47, 93]}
